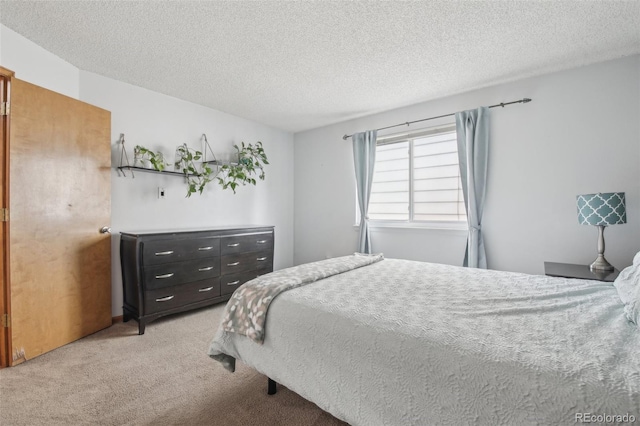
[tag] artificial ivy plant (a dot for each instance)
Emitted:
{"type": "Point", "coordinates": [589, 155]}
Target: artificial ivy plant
{"type": "Point", "coordinates": [156, 159]}
{"type": "Point", "coordinates": [197, 177]}
{"type": "Point", "coordinates": [251, 160]}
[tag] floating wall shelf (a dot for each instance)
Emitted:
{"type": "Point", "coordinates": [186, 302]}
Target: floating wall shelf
{"type": "Point", "coordinates": [124, 162]}
{"type": "Point", "coordinates": [146, 170]}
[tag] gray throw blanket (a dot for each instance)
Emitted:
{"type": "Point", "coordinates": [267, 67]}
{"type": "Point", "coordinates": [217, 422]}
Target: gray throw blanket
{"type": "Point", "coordinates": [246, 311]}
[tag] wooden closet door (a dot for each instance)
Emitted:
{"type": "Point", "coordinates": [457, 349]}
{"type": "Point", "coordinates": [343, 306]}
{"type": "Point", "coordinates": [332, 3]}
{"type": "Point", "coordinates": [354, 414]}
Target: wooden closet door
{"type": "Point", "coordinates": [60, 196]}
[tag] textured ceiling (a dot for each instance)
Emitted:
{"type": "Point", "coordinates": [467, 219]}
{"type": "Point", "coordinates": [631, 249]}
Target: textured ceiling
{"type": "Point", "coordinates": [301, 65]}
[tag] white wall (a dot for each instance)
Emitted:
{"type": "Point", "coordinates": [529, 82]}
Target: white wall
{"type": "Point", "coordinates": [37, 65]}
{"type": "Point", "coordinates": [580, 134]}
{"type": "Point", "coordinates": [161, 122]}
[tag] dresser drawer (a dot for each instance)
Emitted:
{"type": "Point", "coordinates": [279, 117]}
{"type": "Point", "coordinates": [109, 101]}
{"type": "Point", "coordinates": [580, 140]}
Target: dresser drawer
{"type": "Point", "coordinates": [234, 263]}
{"type": "Point", "coordinates": [246, 243]}
{"type": "Point", "coordinates": [168, 274]}
{"type": "Point", "coordinates": [176, 296]}
{"type": "Point", "coordinates": [229, 283]}
{"type": "Point", "coordinates": [162, 251]}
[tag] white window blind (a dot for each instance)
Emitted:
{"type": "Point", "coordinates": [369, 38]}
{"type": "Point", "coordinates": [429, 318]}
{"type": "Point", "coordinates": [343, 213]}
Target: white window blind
{"type": "Point", "coordinates": [417, 178]}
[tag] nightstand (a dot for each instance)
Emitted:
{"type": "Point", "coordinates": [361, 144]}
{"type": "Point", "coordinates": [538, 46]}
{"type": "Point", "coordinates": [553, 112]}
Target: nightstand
{"type": "Point", "coordinates": [568, 270]}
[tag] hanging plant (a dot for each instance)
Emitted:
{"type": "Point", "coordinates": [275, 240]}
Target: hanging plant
{"type": "Point", "coordinates": [142, 155]}
{"type": "Point", "coordinates": [251, 160]}
{"type": "Point", "coordinates": [197, 176]}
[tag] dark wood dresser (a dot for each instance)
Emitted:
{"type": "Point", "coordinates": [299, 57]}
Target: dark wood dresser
{"type": "Point", "coordinates": [168, 272]}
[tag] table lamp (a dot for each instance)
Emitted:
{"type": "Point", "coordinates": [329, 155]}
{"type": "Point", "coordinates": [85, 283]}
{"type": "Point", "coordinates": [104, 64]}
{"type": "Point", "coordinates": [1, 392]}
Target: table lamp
{"type": "Point", "coordinates": [601, 209]}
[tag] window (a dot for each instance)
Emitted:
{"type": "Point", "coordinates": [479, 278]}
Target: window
{"type": "Point", "coordinates": [417, 179]}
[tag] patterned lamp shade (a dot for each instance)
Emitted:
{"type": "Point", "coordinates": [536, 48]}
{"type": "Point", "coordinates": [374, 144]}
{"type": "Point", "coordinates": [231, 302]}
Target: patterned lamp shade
{"type": "Point", "coordinates": [602, 209]}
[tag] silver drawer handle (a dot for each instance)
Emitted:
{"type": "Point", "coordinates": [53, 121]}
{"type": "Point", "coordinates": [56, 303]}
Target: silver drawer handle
{"type": "Point", "coordinates": [233, 245]}
{"type": "Point", "coordinates": [233, 264]}
{"type": "Point", "coordinates": [208, 268]}
{"type": "Point", "coordinates": [205, 248]}
{"type": "Point", "coordinates": [159, 277]}
{"type": "Point", "coordinates": [261, 241]}
{"type": "Point", "coordinates": [164, 299]}
{"type": "Point", "coordinates": [234, 283]}
{"type": "Point", "coordinates": [260, 259]}
{"type": "Point", "coordinates": [202, 290]}
{"type": "Point", "coordinates": [164, 253]}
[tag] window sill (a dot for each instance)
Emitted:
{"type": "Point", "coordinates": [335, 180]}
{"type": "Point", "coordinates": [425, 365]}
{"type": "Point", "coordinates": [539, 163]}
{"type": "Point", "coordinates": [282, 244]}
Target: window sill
{"type": "Point", "coordinates": [461, 228]}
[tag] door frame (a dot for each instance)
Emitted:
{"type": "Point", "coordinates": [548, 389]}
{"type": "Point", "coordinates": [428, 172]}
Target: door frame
{"type": "Point", "coordinates": [6, 76]}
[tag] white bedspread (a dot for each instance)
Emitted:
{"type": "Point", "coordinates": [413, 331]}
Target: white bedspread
{"type": "Point", "coordinates": [412, 343]}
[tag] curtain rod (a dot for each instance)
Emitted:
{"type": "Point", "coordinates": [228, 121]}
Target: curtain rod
{"type": "Point", "coordinates": [501, 104]}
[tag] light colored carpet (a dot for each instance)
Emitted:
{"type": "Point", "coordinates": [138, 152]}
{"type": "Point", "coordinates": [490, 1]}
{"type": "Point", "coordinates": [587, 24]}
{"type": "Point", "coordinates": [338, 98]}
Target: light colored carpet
{"type": "Point", "coordinates": [164, 377]}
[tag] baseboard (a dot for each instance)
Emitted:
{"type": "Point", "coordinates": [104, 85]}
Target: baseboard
{"type": "Point", "coordinates": [116, 319]}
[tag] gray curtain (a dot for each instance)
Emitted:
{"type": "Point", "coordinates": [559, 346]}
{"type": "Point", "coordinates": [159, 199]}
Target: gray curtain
{"type": "Point", "coordinates": [473, 152]}
{"type": "Point", "coordinates": [364, 158]}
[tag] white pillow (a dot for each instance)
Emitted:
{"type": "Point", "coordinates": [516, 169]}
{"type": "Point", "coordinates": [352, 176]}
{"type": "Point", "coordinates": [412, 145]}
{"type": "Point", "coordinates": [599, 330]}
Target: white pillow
{"type": "Point", "coordinates": [632, 310]}
{"type": "Point", "coordinates": [628, 286]}
{"type": "Point", "coordinates": [636, 259]}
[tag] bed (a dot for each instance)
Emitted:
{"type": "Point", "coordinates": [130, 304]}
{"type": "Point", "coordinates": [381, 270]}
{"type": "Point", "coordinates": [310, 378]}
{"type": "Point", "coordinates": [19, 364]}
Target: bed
{"type": "Point", "coordinates": [399, 342]}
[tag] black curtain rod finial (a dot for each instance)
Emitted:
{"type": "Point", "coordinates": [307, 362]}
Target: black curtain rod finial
{"type": "Point", "coordinates": [525, 100]}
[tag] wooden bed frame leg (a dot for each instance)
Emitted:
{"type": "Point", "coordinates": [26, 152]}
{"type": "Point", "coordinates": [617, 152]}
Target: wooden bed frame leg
{"type": "Point", "coordinates": [271, 387]}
